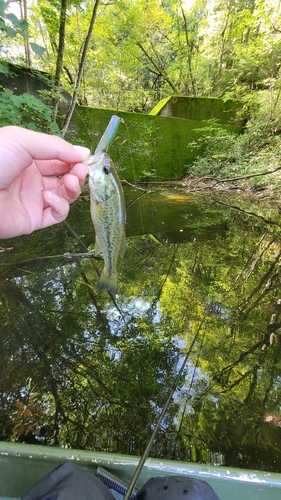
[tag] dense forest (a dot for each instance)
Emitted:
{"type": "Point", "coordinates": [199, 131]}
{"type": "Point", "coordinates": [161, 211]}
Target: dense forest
{"type": "Point", "coordinates": [126, 55]}
{"type": "Point", "coordinates": [138, 52]}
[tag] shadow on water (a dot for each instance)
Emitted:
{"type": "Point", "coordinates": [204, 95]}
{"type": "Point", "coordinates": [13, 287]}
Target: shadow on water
{"type": "Point", "coordinates": [83, 369]}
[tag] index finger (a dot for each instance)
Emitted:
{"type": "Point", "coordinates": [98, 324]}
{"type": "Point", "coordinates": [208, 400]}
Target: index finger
{"type": "Point", "coordinates": [54, 167]}
{"type": "Point", "coordinates": [19, 147]}
{"type": "Point", "coordinates": [42, 146]}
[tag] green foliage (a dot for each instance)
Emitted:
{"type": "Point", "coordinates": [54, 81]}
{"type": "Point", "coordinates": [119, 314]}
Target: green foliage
{"type": "Point", "coordinates": [27, 111]}
{"type": "Point", "coordinates": [13, 29]}
{"type": "Point", "coordinates": [37, 49]}
{"type": "Point", "coordinates": [10, 23]}
{"type": "Point", "coordinates": [53, 94]}
{"type": "Point", "coordinates": [150, 50]}
{"type": "Point", "coordinates": [258, 150]}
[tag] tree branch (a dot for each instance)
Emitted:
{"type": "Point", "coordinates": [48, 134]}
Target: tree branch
{"type": "Point", "coordinates": [160, 70]}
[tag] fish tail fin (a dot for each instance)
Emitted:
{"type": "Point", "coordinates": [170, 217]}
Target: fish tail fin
{"type": "Point", "coordinates": [108, 282]}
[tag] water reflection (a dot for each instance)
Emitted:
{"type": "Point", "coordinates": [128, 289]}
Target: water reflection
{"type": "Point", "coordinates": [83, 369]}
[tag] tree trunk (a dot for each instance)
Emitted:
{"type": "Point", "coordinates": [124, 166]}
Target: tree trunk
{"type": "Point", "coordinates": [189, 52]}
{"type": "Point", "coordinates": [23, 10]}
{"type": "Point", "coordinates": [223, 41]}
{"type": "Point", "coordinates": [80, 70]}
{"type": "Point", "coordinates": [59, 63]}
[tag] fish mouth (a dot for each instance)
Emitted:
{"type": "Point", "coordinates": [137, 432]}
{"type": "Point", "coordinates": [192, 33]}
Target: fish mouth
{"type": "Point", "coordinates": [93, 166]}
{"type": "Point", "coordinates": [92, 160]}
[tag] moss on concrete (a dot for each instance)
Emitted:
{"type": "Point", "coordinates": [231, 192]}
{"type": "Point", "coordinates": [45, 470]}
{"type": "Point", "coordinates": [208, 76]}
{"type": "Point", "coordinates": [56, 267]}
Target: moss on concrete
{"type": "Point", "coordinates": [199, 108]}
{"type": "Point", "coordinates": [22, 79]}
{"type": "Point", "coordinates": [147, 147]}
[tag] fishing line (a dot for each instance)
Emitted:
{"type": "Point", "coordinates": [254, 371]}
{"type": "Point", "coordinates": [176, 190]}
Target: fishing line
{"type": "Point", "coordinates": [162, 414]}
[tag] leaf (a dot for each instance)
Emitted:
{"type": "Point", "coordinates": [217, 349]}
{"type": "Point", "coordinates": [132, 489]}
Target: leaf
{"type": "Point", "coordinates": [54, 129]}
{"type": "Point", "coordinates": [37, 49]}
{"type": "Point", "coordinates": [23, 24]}
{"type": "Point", "coordinates": [3, 6]}
{"type": "Point", "coordinates": [32, 126]}
{"type": "Point", "coordinates": [11, 32]}
{"type": "Point", "coordinates": [19, 429]}
{"type": "Point", "coordinates": [3, 69]}
{"type": "Point", "coordinates": [13, 18]}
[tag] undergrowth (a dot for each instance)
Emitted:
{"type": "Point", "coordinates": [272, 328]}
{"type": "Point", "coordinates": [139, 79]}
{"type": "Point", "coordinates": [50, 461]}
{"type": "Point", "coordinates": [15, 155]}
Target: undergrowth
{"type": "Point", "coordinates": [256, 151]}
{"type": "Point", "coordinates": [27, 111]}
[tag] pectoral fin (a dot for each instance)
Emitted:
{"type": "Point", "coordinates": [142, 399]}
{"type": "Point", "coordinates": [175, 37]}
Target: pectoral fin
{"type": "Point", "coordinates": [97, 248]}
{"type": "Point", "coordinates": [96, 209]}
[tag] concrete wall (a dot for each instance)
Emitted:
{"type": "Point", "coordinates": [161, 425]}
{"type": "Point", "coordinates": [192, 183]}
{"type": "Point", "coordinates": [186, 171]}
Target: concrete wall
{"type": "Point", "coordinates": [147, 147]}
{"type": "Point", "coordinates": [20, 79]}
{"type": "Point", "coordinates": [200, 108]}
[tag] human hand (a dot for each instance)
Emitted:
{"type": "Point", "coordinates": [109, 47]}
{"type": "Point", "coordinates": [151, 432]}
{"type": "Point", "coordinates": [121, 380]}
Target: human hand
{"type": "Point", "coordinates": [40, 175]}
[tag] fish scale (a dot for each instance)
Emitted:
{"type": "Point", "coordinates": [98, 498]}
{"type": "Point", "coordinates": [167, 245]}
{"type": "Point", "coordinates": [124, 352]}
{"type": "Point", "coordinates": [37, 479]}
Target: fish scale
{"type": "Point", "coordinates": [108, 215]}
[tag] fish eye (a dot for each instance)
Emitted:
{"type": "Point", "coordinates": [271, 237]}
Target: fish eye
{"type": "Point", "coordinates": [106, 169]}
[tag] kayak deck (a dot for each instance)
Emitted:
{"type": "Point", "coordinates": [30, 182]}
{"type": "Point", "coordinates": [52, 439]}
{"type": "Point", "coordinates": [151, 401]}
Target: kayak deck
{"type": "Point", "coordinates": [21, 466]}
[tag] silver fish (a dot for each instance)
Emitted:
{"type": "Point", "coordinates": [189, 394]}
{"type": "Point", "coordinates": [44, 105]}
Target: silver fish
{"type": "Point", "coordinates": [108, 213]}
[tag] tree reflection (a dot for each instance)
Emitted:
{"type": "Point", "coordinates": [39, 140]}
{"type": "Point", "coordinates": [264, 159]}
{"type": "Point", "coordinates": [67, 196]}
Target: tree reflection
{"type": "Point", "coordinates": [83, 369]}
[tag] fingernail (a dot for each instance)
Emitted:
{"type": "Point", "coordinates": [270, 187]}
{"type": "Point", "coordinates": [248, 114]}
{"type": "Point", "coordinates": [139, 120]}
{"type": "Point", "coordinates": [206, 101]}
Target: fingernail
{"type": "Point", "coordinates": [85, 152]}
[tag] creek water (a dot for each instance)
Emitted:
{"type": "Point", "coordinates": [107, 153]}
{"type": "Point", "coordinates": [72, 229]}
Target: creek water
{"type": "Point", "coordinates": [83, 369]}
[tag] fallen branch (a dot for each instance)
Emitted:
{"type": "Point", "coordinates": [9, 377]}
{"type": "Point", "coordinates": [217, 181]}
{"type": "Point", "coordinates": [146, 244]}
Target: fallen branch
{"type": "Point", "coordinates": [232, 179]}
{"type": "Point", "coordinates": [66, 255]}
{"type": "Point", "coordinates": [135, 186]}
{"type": "Point", "coordinates": [247, 212]}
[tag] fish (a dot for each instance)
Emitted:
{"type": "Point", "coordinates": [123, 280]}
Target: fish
{"type": "Point", "coordinates": [108, 212]}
